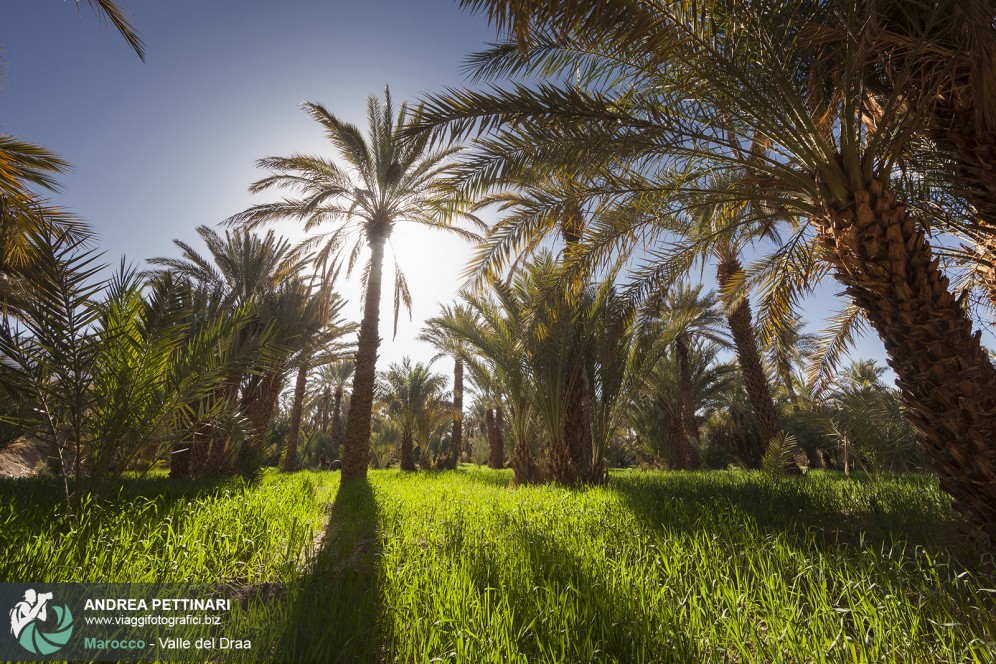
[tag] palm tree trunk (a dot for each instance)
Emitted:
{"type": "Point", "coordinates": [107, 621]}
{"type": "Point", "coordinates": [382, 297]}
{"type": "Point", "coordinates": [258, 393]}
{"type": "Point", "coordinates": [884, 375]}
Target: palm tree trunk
{"type": "Point", "coordinates": [691, 459]}
{"type": "Point", "coordinates": [496, 458]}
{"type": "Point", "coordinates": [261, 406]}
{"type": "Point", "coordinates": [577, 431]}
{"type": "Point", "coordinates": [356, 452]}
{"type": "Point", "coordinates": [946, 380]}
{"type": "Point", "coordinates": [290, 454]}
{"type": "Point", "coordinates": [749, 358]}
{"type": "Point", "coordinates": [456, 438]}
{"type": "Point", "coordinates": [677, 448]}
{"type": "Point", "coordinates": [407, 451]}
{"type": "Point", "coordinates": [523, 464]}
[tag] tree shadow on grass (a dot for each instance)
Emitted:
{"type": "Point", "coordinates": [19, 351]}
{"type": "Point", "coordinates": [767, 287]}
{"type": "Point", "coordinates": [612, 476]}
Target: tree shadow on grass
{"type": "Point", "coordinates": [334, 613]}
{"type": "Point", "coordinates": [827, 509]}
{"type": "Point", "coordinates": [567, 609]}
{"type": "Point", "coordinates": [43, 491]}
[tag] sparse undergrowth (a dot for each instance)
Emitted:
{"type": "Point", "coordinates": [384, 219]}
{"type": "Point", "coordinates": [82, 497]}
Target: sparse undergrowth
{"type": "Point", "coordinates": [655, 567]}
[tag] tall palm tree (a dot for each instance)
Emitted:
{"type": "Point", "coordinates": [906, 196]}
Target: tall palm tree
{"type": "Point", "coordinates": [413, 396]}
{"type": "Point", "coordinates": [379, 181]}
{"type": "Point", "coordinates": [690, 90]}
{"type": "Point", "coordinates": [438, 331]}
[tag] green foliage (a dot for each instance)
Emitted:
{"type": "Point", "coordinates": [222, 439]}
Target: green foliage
{"type": "Point", "coordinates": [104, 372]}
{"type": "Point", "coordinates": [868, 416]}
{"type": "Point", "coordinates": [780, 457]}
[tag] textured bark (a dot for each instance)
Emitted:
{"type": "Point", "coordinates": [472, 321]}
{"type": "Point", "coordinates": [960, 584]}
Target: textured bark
{"type": "Point", "coordinates": [749, 358]}
{"type": "Point", "coordinates": [260, 406]}
{"type": "Point", "coordinates": [294, 433]}
{"type": "Point", "coordinates": [456, 438]}
{"type": "Point", "coordinates": [677, 447]}
{"type": "Point", "coordinates": [689, 455]}
{"type": "Point", "coordinates": [558, 466]}
{"type": "Point", "coordinates": [179, 460]}
{"type": "Point", "coordinates": [496, 458]}
{"type": "Point", "coordinates": [946, 380]}
{"type": "Point", "coordinates": [356, 452]}
{"type": "Point", "coordinates": [577, 433]}
{"type": "Point", "coordinates": [523, 464]}
{"type": "Point", "coordinates": [407, 451]}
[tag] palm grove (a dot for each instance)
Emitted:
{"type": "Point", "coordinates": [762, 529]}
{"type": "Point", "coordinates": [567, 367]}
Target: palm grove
{"type": "Point", "coordinates": [622, 148]}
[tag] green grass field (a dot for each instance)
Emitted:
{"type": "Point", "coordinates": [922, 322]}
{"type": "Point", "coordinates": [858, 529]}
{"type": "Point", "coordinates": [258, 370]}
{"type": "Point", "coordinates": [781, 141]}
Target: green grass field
{"type": "Point", "coordinates": [439, 567]}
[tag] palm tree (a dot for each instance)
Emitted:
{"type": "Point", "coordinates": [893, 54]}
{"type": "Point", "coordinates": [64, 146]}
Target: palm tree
{"type": "Point", "coordinates": [244, 272]}
{"type": "Point", "coordinates": [332, 381]}
{"type": "Point", "coordinates": [787, 350]}
{"type": "Point", "coordinates": [491, 417]}
{"type": "Point", "coordinates": [684, 317]}
{"type": "Point", "coordinates": [692, 90]}
{"type": "Point", "coordinates": [384, 179]}
{"type": "Point", "coordinates": [413, 397]}
{"type": "Point", "coordinates": [24, 215]}
{"type": "Point", "coordinates": [657, 410]}
{"type": "Point", "coordinates": [323, 328]}
{"type": "Point", "coordinates": [497, 333]}
{"type": "Point", "coordinates": [438, 332]}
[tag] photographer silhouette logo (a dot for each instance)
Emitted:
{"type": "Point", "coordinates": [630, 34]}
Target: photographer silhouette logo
{"type": "Point", "coordinates": [31, 626]}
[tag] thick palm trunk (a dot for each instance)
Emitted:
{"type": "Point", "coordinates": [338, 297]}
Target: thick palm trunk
{"type": "Point", "coordinates": [577, 432]}
{"type": "Point", "coordinates": [945, 377]}
{"type": "Point", "coordinates": [749, 358]}
{"type": "Point", "coordinates": [691, 460]}
{"type": "Point", "coordinates": [356, 452]}
{"type": "Point", "coordinates": [523, 464]}
{"type": "Point", "coordinates": [496, 446]}
{"type": "Point", "coordinates": [294, 433]}
{"type": "Point", "coordinates": [261, 405]}
{"type": "Point", "coordinates": [407, 451]}
{"type": "Point", "coordinates": [677, 445]}
{"type": "Point", "coordinates": [456, 438]}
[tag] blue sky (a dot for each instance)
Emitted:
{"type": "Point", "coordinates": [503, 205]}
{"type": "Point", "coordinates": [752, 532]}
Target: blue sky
{"type": "Point", "coordinates": [161, 147]}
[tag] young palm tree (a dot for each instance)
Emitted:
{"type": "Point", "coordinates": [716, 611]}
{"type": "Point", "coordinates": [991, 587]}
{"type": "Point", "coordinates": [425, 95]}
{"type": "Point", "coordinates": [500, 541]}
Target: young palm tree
{"type": "Point", "coordinates": [244, 272]}
{"type": "Point", "coordinates": [413, 396]}
{"type": "Point", "coordinates": [497, 333]}
{"type": "Point", "coordinates": [379, 181]}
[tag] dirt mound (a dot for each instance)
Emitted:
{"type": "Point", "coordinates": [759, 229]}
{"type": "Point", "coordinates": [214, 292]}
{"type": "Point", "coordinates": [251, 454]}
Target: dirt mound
{"type": "Point", "coordinates": [22, 458]}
